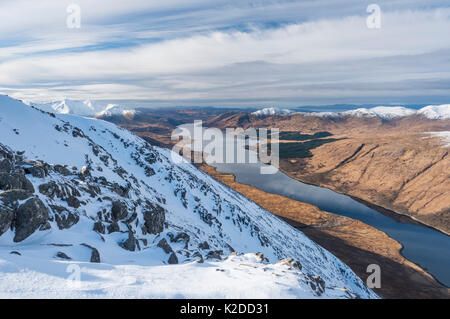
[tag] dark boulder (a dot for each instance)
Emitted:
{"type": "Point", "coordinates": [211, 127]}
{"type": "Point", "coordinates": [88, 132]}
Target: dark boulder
{"type": "Point", "coordinates": [173, 259]}
{"type": "Point", "coordinates": [72, 201]}
{"type": "Point", "coordinates": [6, 166]}
{"type": "Point", "coordinates": [165, 246]}
{"type": "Point", "coordinates": [99, 227]}
{"type": "Point", "coordinates": [154, 218]}
{"type": "Point", "coordinates": [119, 210]}
{"type": "Point", "coordinates": [95, 255]}
{"type": "Point", "coordinates": [11, 197]}
{"type": "Point", "coordinates": [62, 255]}
{"type": "Point", "coordinates": [6, 218]}
{"type": "Point", "coordinates": [29, 217]}
{"type": "Point", "coordinates": [215, 254]}
{"type": "Point", "coordinates": [16, 180]}
{"type": "Point", "coordinates": [66, 220]}
{"type": "Point", "coordinates": [113, 228]}
{"type": "Point", "coordinates": [62, 170]}
{"type": "Point", "coordinates": [130, 243]}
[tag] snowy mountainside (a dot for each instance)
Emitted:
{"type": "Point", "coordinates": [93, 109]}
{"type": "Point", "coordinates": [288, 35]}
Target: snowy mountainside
{"type": "Point", "coordinates": [271, 111]}
{"type": "Point", "coordinates": [432, 112]}
{"type": "Point", "coordinates": [84, 108]}
{"type": "Point", "coordinates": [113, 109]}
{"type": "Point", "coordinates": [80, 191]}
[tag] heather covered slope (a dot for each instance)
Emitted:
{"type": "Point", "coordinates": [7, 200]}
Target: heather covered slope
{"type": "Point", "coordinates": [87, 190]}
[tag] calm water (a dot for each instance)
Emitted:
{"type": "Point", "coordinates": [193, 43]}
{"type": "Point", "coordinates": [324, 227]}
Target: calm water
{"type": "Point", "coordinates": [422, 245]}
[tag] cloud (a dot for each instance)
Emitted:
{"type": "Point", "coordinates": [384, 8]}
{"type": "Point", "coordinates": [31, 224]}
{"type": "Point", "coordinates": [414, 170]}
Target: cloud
{"type": "Point", "coordinates": [227, 53]}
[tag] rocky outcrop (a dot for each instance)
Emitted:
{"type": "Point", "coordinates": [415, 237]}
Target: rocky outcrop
{"type": "Point", "coordinates": [154, 217]}
{"type": "Point", "coordinates": [6, 218]}
{"type": "Point", "coordinates": [29, 217]}
{"type": "Point", "coordinates": [15, 180]}
{"type": "Point", "coordinates": [95, 255]}
{"type": "Point", "coordinates": [119, 210]}
{"type": "Point", "coordinates": [130, 243]}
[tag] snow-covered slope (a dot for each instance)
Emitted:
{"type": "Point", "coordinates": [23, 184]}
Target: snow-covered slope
{"type": "Point", "coordinates": [85, 189]}
{"type": "Point", "coordinates": [271, 111]}
{"type": "Point", "coordinates": [436, 112]}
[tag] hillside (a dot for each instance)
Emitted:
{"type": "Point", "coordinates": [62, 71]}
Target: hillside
{"type": "Point", "coordinates": [78, 192]}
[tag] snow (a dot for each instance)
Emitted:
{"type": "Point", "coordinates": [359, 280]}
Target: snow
{"type": "Point", "coordinates": [436, 112]}
{"type": "Point", "coordinates": [195, 204]}
{"type": "Point", "coordinates": [444, 136]}
{"type": "Point", "coordinates": [432, 112]}
{"type": "Point", "coordinates": [113, 109]}
{"type": "Point", "coordinates": [271, 111]}
{"type": "Point", "coordinates": [236, 277]}
{"type": "Point", "coordinates": [84, 108]}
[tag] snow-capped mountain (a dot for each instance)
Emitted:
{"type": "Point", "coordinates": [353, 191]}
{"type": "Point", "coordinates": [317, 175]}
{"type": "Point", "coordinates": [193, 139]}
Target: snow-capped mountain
{"type": "Point", "coordinates": [85, 199]}
{"type": "Point", "coordinates": [84, 108]}
{"type": "Point", "coordinates": [271, 111]}
{"type": "Point", "coordinates": [436, 112]}
{"type": "Point", "coordinates": [113, 109]}
{"type": "Point", "coordinates": [432, 112]}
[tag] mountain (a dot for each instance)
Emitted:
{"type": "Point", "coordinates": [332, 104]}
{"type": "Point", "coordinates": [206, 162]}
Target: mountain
{"type": "Point", "coordinates": [271, 111]}
{"type": "Point", "coordinates": [433, 112]}
{"type": "Point", "coordinates": [436, 112]}
{"type": "Point", "coordinates": [84, 108]}
{"type": "Point", "coordinates": [83, 198]}
{"type": "Point", "coordinates": [113, 109]}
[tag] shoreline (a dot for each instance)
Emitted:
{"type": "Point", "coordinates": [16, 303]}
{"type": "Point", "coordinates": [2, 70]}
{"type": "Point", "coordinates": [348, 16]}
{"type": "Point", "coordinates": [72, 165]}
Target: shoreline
{"type": "Point", "coordinates": [306, 228]}
{"type": "Point", "coordinates": [382, 210]}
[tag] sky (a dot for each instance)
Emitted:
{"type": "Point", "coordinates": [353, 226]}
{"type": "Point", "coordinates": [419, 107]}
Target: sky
{"type": "Point", "coordinates": [240, 53]}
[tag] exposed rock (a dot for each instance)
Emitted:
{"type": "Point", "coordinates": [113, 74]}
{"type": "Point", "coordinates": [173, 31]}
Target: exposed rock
{"type": "Point", "coordinates": [165, 246]}
{"type": "Point", "coordinates": [6, 218]}
{"type": "Point", "coordinates": [95, 255]}
{"type": "Point", "coordinates": [154, 218]}
{"type": "Point", "coordinates": [45, 226]}
{"type": "Point", "coordinates": [173, 259]}
{"type": "Point", "coordinates": [130, 243]}
{"type": "Point", "coordinates": [215, 254]}
{"type": "Point", "coordinates": [36, 171]}
{"type": "Point", "coordinates": [29, 217]}
{"type": "Point", "coordinates": [291, 263]}
{"type": "Point", "coordinates": [204, 245]}
{"type": "Point", "coordinates": [62, 255]}
{"type": "Point", "coordinates": [15, 253]}
{"type": "Point", "coordinates": [6, 166]}
{"type": "Point", "coordinates": [16, 180]}
{"type": "Point", "coordinates": [262, 257]}
{"type": "Point", "coordinates": [67, 220]}
{"type": "Point", "coordinates": [119, 210]}
{"type": "Point", "coordinates": [62, 170]}
{"type": "Point", "coordinates": [72, 201]}
{"type": "Point", "coordinates": [113, 227]}
{"type": "Point", "coordinates": [12, 196]}
{"type": "Point", "coordinates": [49, 189]}
{"type": "Point", "coordinates": [99, 227]}
{"type": "Point", "coordinates": [180, 237]}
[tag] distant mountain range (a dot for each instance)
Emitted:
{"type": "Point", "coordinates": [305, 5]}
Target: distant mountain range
{"type": "Point", "coordinates": [433, 112]}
